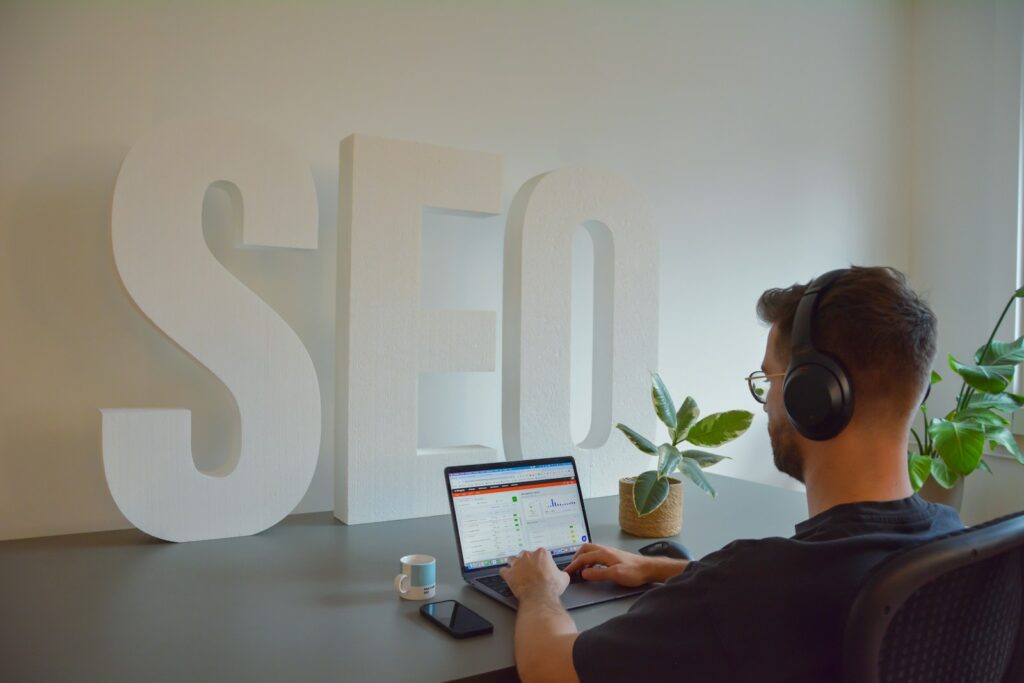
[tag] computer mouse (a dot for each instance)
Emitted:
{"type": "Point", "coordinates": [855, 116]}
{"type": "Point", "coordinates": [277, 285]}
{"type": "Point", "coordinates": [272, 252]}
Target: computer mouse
{"type": "Point", "coordinates": [666, 549]}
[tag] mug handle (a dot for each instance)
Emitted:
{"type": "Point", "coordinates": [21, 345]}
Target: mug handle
{"type": "Point", "coordinates": [399, 581]}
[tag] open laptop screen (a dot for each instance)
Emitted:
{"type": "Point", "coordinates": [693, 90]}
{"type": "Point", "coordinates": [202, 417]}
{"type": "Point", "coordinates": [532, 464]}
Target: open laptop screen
{"type": "Point", "coordinates": [501, 511]}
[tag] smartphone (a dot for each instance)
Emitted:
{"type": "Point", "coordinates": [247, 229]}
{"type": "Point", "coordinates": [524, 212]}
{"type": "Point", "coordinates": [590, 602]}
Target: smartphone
{"type": "Point", "coordinates": [457, 619]}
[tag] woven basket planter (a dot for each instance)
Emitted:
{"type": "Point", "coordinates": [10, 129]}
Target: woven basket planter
{"type": "Point", "coordinates": [666, 521]}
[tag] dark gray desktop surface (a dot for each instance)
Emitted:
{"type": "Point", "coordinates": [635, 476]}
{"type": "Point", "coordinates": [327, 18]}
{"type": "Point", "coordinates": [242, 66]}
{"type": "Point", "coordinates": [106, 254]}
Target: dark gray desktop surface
{"type": "Point", "coordinates": [310, 599]}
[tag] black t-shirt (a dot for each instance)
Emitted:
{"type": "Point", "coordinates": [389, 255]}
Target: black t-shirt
{"type": "Point", "coordinates": [760, 610]}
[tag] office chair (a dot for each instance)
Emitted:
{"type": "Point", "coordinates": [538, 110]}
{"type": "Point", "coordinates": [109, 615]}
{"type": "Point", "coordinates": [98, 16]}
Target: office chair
{"type": "Point", "coordinates": [948, 611]}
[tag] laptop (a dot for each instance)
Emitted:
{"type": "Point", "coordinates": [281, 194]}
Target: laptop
{"type": "Point", "coordinates": [500, 509]}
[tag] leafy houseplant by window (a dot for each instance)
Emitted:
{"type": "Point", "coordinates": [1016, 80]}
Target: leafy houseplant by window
{"type": "Point", "coordinates": [652, 487]}
{"type": "Point", "coordinates": [951, 447]}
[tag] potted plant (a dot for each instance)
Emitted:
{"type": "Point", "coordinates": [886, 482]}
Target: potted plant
{"type": "Point", "coordinates": [642, 496]}
{"type": "Point", "coordinates": [951, 447]}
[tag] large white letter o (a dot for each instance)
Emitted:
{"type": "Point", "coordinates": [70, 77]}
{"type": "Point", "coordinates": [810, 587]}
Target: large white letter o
{"type": "Point", "coordinates": [537, 309]}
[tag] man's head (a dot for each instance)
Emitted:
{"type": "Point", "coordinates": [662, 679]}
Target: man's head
{"type": "Point", "coordinates": [881, 331]}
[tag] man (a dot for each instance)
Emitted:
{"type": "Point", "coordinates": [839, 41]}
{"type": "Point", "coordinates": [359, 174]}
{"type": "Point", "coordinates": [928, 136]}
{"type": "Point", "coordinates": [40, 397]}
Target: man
{"type": "Point", "coordinates": [771, 609]}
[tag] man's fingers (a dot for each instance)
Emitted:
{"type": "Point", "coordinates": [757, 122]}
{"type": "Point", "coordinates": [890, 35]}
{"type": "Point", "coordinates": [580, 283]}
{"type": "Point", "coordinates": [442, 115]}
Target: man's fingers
{"type": "Point", "coordinates": [586, 548]}
{"type": "Point", "coordinates": [576, 563]}
{"type": "Point", "coordinates": [584, 559]}
{"type": "Point", "coordinates": [593, 557]}
{"type": "Point", "coordinates": [598, 573]}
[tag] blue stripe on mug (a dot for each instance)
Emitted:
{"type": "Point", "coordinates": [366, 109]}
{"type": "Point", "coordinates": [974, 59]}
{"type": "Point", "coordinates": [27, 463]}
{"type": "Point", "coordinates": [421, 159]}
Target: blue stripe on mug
{"type": "Point", "coordinates": [423, 575]}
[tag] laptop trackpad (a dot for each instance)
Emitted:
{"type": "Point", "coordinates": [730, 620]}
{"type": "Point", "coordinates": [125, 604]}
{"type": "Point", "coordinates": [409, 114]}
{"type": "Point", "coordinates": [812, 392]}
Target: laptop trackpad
{"type": "Point", "coordinates": [593, 592]}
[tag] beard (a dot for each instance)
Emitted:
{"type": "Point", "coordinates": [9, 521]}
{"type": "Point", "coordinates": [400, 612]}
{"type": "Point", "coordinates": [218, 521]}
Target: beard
{"type": "Point", "coordinates": [785, 449]}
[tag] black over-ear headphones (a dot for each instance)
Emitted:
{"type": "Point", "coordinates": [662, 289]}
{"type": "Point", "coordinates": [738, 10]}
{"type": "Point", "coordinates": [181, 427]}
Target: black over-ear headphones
{"type": "Point", "coordinates": [817, 391]}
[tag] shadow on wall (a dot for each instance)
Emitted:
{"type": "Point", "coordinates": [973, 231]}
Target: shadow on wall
{"type": "Point", "coordinates": [74, 342]}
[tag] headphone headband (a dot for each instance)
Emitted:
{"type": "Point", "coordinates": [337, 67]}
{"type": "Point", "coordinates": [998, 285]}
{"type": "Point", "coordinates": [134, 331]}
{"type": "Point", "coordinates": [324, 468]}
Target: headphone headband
{"type": "Point", "coordinates": [803, 335]}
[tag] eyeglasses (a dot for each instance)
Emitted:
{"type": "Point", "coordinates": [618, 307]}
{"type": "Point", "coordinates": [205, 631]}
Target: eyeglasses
{"type": "Point", "coordinates": [759, 384]}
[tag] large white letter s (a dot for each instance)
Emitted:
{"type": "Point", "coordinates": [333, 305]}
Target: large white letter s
{"type": "Point", "coordinates": [168, 270]}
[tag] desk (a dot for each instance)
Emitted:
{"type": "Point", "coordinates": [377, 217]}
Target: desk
{"type": "Point", "coordinates": [307, 600]}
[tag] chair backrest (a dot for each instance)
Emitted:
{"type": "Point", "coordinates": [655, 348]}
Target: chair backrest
{"type": "Point", "coordinates": [949, 610]}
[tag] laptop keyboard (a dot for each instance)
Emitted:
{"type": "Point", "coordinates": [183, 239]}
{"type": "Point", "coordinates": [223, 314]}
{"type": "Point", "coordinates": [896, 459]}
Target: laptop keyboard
{"type": "Point", "coordinates": [496, 583]}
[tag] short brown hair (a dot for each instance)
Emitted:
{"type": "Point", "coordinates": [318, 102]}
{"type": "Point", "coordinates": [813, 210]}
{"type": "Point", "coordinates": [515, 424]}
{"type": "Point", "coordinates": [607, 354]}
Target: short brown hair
{"type": "Point", "coordinates": [879, 328]}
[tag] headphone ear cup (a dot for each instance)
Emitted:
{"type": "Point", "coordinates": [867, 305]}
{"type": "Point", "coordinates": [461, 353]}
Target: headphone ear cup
{"type": "Point", "coordinates": [818, 397]}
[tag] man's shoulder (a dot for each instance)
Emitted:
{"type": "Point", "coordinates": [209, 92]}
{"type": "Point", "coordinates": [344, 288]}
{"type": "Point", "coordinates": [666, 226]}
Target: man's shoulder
{"type": "Point", "coordinates": [844, 543]}
{"type": "Point", "coordinates": [749, 548]}
{"type": "Point", "coordinates": [907, 520]}
{"type": "Point", "coordinates": [743, 559]}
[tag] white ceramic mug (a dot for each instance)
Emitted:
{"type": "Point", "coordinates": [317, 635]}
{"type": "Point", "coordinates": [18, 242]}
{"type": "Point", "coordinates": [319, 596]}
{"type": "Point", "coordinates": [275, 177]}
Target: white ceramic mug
{"type": "Point", "coordinates": [418, 580]}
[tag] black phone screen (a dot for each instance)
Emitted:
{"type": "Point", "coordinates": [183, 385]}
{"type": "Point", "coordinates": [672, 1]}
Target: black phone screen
{"type": "Point", "coordinates": [456, 618]}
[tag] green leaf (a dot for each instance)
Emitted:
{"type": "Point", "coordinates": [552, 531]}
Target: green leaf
{"type": "Point", "coordinates": [982, 416]}
{"type": "Point", "coordinates": [668, 458]}
{"type": "Point", "coordinates": [663, 403]}
{"type": "Point", "coordinates": [687, 415]}
{"type": "Point", "coordinates": [1004, 437]}
{"type": "Point", "coordinates": [1001, 353]}
{"type": "Point", "coordinates": [637, 440]}
{"type": "Point", "coordinates": [936, 378]}
{"type": "Point", "coordinates": [942, 474]}
{"type": "Point", "coordinates": [720, 428]}
{"type": "Point", "coordinates": [959, 444]}
{"type": "Point", "coordinates": [982, 465]}
{"type": "Point", "coordinates": [920, 470]}
{"type": "Point", "coordinates": [693, 473]}
{"type": "Point", "coordinates": [703, 458]}
{"type": "Point", "coordinates": [1019, 293]}
{"type": "Point", "coordinates": [649, 492]}
{"type": "Point", "coordinates": [1004, 402]}
{"type": "Point", "coordinates": [988, 378]}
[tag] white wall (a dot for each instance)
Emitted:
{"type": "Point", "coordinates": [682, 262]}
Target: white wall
{"type": "Point", "coordinates": [965, 133]}
{"type": "Point", "coordinates": [769, 137]}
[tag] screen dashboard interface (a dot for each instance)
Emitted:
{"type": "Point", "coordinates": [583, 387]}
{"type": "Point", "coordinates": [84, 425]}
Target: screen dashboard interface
{"type": "Point", "coordinates": [500, 512]}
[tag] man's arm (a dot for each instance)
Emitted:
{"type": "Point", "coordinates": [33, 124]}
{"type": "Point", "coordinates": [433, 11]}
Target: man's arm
{"type": "Point", "coordinates": [545, 633]}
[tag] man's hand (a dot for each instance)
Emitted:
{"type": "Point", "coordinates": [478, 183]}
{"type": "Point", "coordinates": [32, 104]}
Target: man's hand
{"type": "Point", "coordinates": [624, 568]}
{"type": "Point", "coordinates": [534, 573]}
